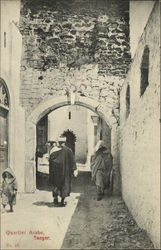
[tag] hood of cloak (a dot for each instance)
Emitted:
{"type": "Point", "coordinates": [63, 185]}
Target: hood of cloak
{"type": "Point", "coordinates": [10, 171]}
{"type": "Point", "coordinates": [100, 144]}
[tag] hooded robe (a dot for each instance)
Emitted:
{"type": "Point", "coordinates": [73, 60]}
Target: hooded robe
{"type": "Point", "coordinates": [9, 186]}
{"type": "Point", "coordinates": [101, 166]}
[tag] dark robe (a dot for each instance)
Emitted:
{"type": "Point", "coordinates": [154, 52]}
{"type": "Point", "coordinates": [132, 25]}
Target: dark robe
{"type": "Point", "coordinates": [61, 167]}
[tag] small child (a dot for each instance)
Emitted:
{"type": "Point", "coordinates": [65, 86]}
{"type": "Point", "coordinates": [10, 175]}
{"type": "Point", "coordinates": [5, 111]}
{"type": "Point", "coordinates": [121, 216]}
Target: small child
{"type": "Point", "coordinates": [9, 189]}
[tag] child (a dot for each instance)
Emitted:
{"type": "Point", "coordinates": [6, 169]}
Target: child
{"type": "Point", "coordinates": [9, 189]}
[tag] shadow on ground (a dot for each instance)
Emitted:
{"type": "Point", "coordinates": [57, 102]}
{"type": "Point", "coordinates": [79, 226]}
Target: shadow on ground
{"type": "Point", "coordinates": [43, 203]}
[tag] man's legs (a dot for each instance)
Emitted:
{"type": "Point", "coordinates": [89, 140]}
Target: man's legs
{"type": "Point", "coordinates": [55, 195]}
{"type": "Point", "coordinates": [62, 201]}
{"type": "Point", "coordinates": [3, 209]}
{"type": "Point", "coordinates": [55, 199]}
{"type": "Point", "coordinates": [100, 193]}
{"type": "Point", "coordinates": [99, 185]}
{"type": "Point", "coordinates": [11, 207]}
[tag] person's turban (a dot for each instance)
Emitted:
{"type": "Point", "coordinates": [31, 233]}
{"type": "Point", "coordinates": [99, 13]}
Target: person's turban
{"type": "Point", "coordinates": [62, 139]}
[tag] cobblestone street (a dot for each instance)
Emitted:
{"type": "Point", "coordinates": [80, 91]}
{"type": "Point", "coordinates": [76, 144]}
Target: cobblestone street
{"type": "Point", "coordinates": [84, 223]}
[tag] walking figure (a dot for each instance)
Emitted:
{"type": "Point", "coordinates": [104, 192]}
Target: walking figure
{"type": "Point", "coordinates": [9, 189]}
{"type": "Point", "coordinates": [61, 168]}
{"type": "Point", "coordinates": [101, 166]}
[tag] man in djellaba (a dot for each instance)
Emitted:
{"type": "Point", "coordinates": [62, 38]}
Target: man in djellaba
{"type": "Point", "coordinates": [61, 168]}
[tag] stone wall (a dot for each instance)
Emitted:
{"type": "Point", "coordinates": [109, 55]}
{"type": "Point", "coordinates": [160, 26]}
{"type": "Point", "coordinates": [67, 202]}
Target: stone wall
{"type": "Point", "coordinates": [74, 46]}
{"type": "Point", "coordinates": [78, 45]}
{"type": "Point", "coordinates": [140, 133]}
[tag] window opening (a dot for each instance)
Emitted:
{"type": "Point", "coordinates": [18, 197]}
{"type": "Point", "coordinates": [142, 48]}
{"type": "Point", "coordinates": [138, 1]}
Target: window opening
{"type": "Point", "coordinates": [144, 71]}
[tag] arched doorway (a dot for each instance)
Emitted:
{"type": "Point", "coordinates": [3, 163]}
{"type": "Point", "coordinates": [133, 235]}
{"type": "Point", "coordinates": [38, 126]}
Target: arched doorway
{"type": "Point", "coordinates": [82, 132]}
{"type": "Point", "coordinates": [50, 105]}
{"type": "Point", "coordinates": [4, 117]}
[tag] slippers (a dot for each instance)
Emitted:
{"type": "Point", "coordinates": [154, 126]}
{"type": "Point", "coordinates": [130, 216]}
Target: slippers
{"type": "Point", "coordinates": [63, 204]}
{"type": "Point", "coordinates": [10, 211]}
{"type": "Point", "coordinates": [99, 197]}
{"type": "Point", "coordinates": [55, 201]}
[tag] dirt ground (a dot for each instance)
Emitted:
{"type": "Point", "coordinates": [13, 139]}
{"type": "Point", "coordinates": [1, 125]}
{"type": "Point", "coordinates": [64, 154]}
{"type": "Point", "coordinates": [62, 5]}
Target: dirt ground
{"type": "Point", "coordinates": [84, 223]}
{"type": "Point", "coordinates": [105, 224]}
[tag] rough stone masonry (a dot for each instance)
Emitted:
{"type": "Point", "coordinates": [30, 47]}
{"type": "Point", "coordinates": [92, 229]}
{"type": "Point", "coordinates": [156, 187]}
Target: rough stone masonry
{"type": "Point", "coordinates": [81, 46]}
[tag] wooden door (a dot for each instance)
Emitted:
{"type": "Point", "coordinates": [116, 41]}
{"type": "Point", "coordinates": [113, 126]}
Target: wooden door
{"type": "Point", "coordinates": [3, 139]}
{"type": "Point", "coordinates": [42, 135]}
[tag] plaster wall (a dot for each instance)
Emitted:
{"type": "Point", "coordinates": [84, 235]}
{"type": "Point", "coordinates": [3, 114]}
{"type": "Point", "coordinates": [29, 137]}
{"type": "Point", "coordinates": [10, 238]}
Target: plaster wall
{"type": "Point", "coordinates": [139, 12]}
{"type": "Point", "coordinates": [59, 122]}
{"type": "Point", "coordinates": [140, 133]}
{"type": "Point", "coordinates": [11, 45]}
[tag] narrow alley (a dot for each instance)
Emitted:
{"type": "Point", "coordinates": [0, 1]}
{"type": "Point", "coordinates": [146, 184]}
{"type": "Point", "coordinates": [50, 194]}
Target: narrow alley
{"type": "Point", "coordinates": [84, 223]}
{"type": "Point", "coordinates": [80, 90]}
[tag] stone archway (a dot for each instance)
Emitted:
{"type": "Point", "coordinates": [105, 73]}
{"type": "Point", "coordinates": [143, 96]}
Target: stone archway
{"type": "Point", "coordinates": [50, 105]}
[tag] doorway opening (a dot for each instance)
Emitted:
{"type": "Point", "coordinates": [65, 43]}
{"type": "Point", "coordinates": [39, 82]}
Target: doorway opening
{"type": "Point", "coordinates": [4, 117]}
{"type": "Point", "coordinates": [82, 132]}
